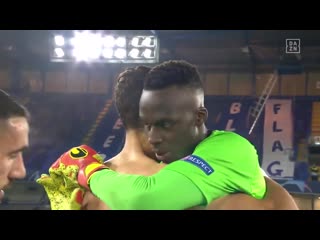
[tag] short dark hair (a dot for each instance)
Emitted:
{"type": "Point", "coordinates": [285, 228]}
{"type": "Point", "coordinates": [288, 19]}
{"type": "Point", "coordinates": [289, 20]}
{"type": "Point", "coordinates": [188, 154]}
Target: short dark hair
{"type": "Point", "coordinates": [9, 107]}
{"type": "Point", "coordinates": [173, 72]}
{"type": "Point", "coordinates": [127, 93]}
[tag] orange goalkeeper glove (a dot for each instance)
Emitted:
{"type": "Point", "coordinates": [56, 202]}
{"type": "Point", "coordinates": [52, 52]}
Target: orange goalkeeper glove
{"type": "Point", "coordinates": [77, 165]}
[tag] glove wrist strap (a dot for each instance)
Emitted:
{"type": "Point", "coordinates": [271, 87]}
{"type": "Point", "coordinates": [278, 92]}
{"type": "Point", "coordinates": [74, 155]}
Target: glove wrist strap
{"type": "Point", "coordinates": [86, 173]}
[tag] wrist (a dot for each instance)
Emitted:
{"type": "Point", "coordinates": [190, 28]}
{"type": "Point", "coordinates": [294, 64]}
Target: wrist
{"type": "Point", "coordinates": [86, 172]}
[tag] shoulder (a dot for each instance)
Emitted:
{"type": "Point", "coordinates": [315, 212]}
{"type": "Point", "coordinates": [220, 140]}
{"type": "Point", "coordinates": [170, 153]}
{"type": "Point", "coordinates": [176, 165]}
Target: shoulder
{"type": "Point", "coordinates": [225, 139]}
{"type": "Point", "coordinates": [112, 163]}
{"type": "Point", "coordinates": [225, 145]}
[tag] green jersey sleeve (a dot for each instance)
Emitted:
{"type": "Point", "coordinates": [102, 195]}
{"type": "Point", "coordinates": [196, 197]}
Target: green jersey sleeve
{"type": "Point", "coordinates": [221, 164]}
{"type": "Point", "coordinates": [166, 190]}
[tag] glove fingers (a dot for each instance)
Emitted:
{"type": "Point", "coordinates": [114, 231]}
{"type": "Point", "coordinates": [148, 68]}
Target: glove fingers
{"type": "Point", "coordinates": [45, 180]}
{"type": "Point", "coordinates": [55, 171]}
{"type": "Point", "coordinates": [70, 183]}
{"type": "Point", "coordinates": [57, 193]}
{"type": "Point", "coordinates": [69, 175]}
{"type": "Point", "coordinates": [42, 178]}
{"type": "Point", "coordinates": [69, 171]}
{"type": "Point", "coordinates": [76, 199]}
{"type": "Point", "coordinates": [51, 189]}
{"type": "Point", "coordinates": [57, 176]}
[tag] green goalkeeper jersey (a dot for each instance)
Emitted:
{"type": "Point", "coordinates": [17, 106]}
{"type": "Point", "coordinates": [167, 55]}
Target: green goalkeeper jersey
{"type": "Point", "coordinates": [221, 164]}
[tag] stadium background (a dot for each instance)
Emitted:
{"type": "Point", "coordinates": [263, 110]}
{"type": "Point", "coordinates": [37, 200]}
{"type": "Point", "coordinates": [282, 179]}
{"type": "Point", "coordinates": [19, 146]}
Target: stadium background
{"type": "Point", "coordinates": [72, 103]}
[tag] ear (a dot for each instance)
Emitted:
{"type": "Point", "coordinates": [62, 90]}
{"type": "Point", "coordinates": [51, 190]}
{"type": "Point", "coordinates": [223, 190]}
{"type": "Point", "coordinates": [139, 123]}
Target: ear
{"type": "Point", "coordinates": [202, 116]}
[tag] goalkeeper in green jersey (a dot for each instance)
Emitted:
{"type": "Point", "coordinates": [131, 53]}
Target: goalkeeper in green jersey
{"type": "Point", "coordinates": [204, 165]}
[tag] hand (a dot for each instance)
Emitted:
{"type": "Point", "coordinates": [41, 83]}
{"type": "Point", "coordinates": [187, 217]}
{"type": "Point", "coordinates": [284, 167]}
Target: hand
{"type": "Point", "coordinates": [60, 195]}
{"type": "Point", "coordinates": [72, 170]}
{"type": "Point", "coordinates": [77, 166]}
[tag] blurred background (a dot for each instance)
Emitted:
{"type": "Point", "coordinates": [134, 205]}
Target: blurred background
{"type": "Point", "coordinates": [262, 84]}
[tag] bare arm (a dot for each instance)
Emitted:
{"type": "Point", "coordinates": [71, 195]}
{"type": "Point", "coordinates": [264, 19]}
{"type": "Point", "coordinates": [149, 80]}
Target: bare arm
{"type": "Point", "coordinates": [91, 202]}
{"type": "Point", "coordinates": [279, 196]}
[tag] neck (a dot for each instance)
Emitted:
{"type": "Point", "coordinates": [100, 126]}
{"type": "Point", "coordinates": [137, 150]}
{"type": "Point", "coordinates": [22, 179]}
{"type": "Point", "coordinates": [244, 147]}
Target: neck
{"type": "Point", "coordinates": [132, 146]}
{"type": "Point", "coordinates": [203, 133]}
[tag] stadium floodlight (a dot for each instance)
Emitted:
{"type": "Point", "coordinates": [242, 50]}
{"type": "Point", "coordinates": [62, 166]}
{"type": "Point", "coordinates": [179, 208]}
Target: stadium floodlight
{"type": "Point", "coordinates": [89, 46]}
{"type": "Point", "coordinates": [59, 40]}
{"type": "Point", "coordinates": [59, 52]}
